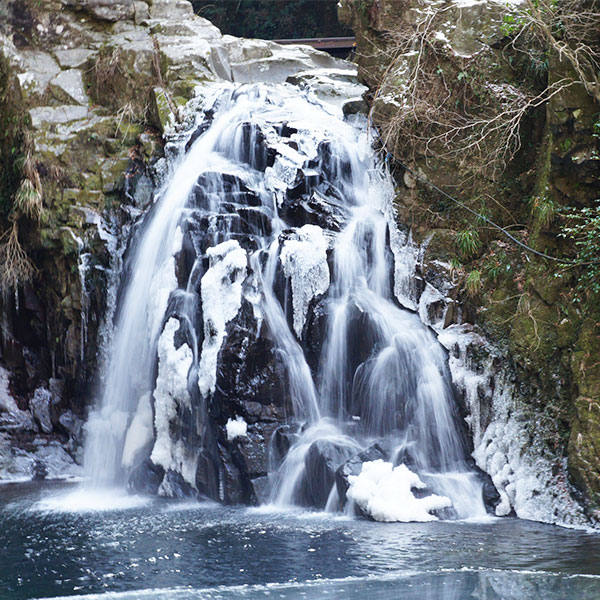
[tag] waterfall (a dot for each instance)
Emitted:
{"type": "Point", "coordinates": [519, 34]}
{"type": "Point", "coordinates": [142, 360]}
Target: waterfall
{"type": "Point", "coordinates": [270, 233]}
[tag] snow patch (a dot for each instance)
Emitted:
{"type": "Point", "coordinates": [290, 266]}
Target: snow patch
{"type": "Point", "coordinates": [304, 260]}
{"type": "Point", "coordinates": [236, 428]}
{"type": "Point", "coordinates": [221, 301]}
{"type": "Point", "coordinates": [384, 492]}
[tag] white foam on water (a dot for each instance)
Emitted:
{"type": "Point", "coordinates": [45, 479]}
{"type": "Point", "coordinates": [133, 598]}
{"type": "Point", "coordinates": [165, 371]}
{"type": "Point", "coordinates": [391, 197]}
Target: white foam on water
{"type": "Point", "coordinates": [319, 586]}
{"type": "Point", "coordinates": [86, 499]}
{"type": "Point", "coordinates": [190, 505]}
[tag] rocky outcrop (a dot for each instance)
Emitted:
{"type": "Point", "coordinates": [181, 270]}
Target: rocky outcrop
{"type": "Point", "coordinates": [527, 362]}
{"type": "Point", "coordinates": [91, 86]}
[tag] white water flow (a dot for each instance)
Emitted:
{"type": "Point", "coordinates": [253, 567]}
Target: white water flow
{"type": "Point", "coordinates": [129, 375]}
{"type": "Point", "coordinates": [380, 376]}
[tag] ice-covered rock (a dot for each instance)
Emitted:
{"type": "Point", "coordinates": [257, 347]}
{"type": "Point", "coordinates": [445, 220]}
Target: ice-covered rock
{"type": "Point", "coordinates": [11, 416]}
{"type": "Point", "coordinates": [171, 390]}
{"type": "Point", "coordinates": [43, 459]}
{"type": "Point", "coordinates": [41, 406]}
{"type": "Point", "coordinates": [384, 492]}
{"type": "Point", "coordinates": [304, 260]}
{"type": "Point", "coordinates": [140, 433]}
{"type": "Point", "coordinates": [506, 440]}
{"type": "Point", "coordinates": [221, 301]}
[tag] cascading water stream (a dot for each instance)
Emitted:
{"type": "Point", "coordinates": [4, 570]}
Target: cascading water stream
{"type": "Point", "coordinates": [277, 205]}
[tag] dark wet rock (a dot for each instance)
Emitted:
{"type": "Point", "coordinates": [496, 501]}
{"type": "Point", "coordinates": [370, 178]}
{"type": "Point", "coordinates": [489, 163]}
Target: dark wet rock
{"type": "Point", "coordinates": [304, 204]}
{"type": "Point", "coordinates": [355, 106]}
{"type": "Point", "coordinates": [315, 329]}
{"type": "Point", "coordinates": [405, 456]}
{"type": "Point", "coordinates": [262, 489]}
{"type": "Point", "coordinates": [72, 425]}
{"type": "Point", "coordinates": [39, 470]}
{"type": "Point", "coordinates": [207, 475]}
{"type": "Point", "coordinates": [282, 440]}
{"type": "Point", "coordinates": [490, 495]}
{"type": "Point", "coordinates": [40, 406]}
{"type": "Point", "coordinates": [236, 488]}
{"type": "Point", "coordinates": [201, 129]}
{"type": "Point", "coordinates": [321, 462]}
{"type": "Point", "coordinates": [146, 478]}
{"type": "Point", "coordinates": [174, 486]}
{"type": "Point", "coordinates": [253, 450]}
{"type": "Point", "coordinates": [266, 413]}
{"type": "Point", "coordinates": [250, 368]}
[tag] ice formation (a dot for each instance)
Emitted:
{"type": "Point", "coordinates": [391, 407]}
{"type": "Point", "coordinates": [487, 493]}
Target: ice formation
{"type": "Point", "coordinates": [10, 414]}
{"type": "Point", "coordinates": [505, 447]}
{"type": "Point", "coordinates": [384, 492]}
{"type": "Point", "coordinates": [171, 390]}
{"type": "Point", "coordinates": [221, 301]}
{"type": "Point", "coordinates": [304, 260]}
{"type": "Point", "coordinates": [236, 428]}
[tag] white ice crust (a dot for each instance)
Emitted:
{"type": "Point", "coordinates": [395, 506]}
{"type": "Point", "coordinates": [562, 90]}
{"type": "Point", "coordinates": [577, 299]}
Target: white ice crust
{"type": "Point", "coordinates": [221, 301]}
{"type": "Point", "coordinates": [505, 442]}
{"type": "Point", "coordinates": [236, 428]}
{"type": "Point", "coordinates": [384, 492]}
{"type": "Point", "coordinates": [304, 260]}
{"type": "Point", "coordinates": [171, 390]}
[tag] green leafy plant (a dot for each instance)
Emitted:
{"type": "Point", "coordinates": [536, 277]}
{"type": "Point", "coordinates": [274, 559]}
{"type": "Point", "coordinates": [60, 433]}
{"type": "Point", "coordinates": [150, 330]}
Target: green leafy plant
{"type": "Point", "coordinates": [543, 209]}
{"type": "Point", "coordinates": [596, 134]}
{"type": "Point", "coordinates": [496, 265]}
{"type": "Point", "coordinates": [468, 243]}
{"type": "Point", "coordinates": [512, 24]}
{"type": "Point", "coordinates": [473, 282]}
{"type": "Point", "coordinates": [582, 229]}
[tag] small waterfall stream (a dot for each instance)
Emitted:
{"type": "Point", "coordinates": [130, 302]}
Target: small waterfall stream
{"type": "Point", "coordinates": [270, 233]}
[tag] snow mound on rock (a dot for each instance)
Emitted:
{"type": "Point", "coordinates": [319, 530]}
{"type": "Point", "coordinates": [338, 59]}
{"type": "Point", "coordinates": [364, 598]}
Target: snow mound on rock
{"type": "Point", "coordinates": [236, 428]}
{"type": "Point", "coordinates": [384, 492]}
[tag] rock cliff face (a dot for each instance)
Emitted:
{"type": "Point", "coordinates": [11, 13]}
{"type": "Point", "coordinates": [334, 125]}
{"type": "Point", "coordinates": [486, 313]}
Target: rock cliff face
{"type": "Point", "coordinates": [524, 346]}
{"type": "Point", "coordinates": [87, 89]}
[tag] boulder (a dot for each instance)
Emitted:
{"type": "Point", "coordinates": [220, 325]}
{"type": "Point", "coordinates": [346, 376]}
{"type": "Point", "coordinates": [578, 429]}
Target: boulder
{"type": "Point", "coordinates": [67, 87]}
{"type": "Point", "coordinates": [353, 466]}
{"type": "Point", "coordinates": [72, 425]}
{"type": "Point", "coordinates": [41, 405]}
{"type": "Point", "coordinates": [322, 460]}
{"type": "Point", "coordinates": [146, 478]}
{"type": "Point", "coordinates": [105, 10]}
{"type": "Point", "coordinates": [171, 9]}
{"type": "Point", "coordinates": [73, 58]}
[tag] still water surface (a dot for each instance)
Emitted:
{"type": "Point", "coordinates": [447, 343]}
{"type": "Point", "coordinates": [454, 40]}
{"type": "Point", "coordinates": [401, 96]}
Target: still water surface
{"type": "Point", "coordinates": [163, 549]}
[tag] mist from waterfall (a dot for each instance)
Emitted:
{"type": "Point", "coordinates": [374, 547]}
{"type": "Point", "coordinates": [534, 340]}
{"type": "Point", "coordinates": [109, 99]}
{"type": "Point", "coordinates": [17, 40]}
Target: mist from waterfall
{"type": "Point", "coordinates": [277, 202]}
